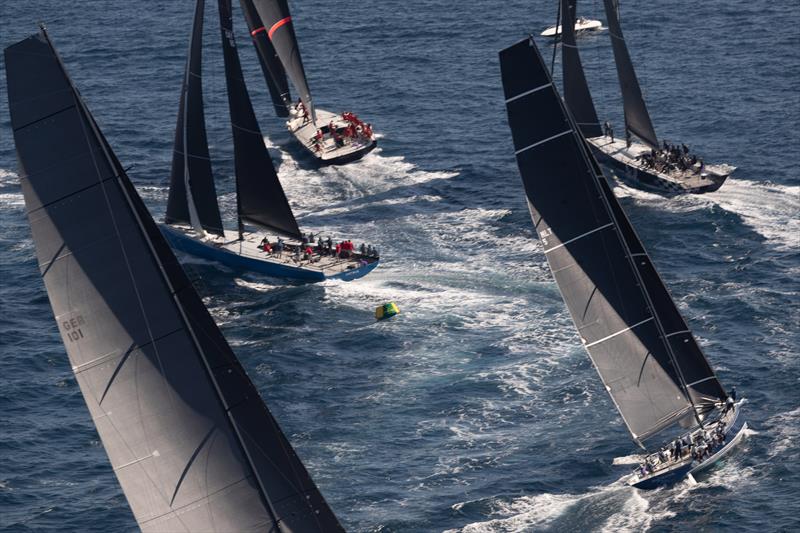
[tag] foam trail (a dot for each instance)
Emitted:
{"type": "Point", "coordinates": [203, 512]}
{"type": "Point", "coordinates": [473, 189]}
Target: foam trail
{"type": "Point", "coordinates": [315, 188]}
{"type": "Point", "coordinates": [625, 509]}
{"type": "Point", "coordinates": [772, 210]}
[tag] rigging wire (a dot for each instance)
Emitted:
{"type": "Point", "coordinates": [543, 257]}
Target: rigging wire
{"type": "Point", "coordinates": [555, 39]}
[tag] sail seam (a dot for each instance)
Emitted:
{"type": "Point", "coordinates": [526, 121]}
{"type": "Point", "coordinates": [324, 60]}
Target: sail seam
{"type": "Point", "coordinates": [556, 247]}
{"type": "Point", "coordinates": [526, 93]}
{"type": "Point", "coordinates": [83, 189]}
{"type": "Point", "coordinates": [618, 332]}
{"type": "Point", "coordinates": [44, 118]}
{"type": "Point", "coordinates": [534, 145]}
{"type": "Point", "coordinates": [668, 335]}
{"type": "Point", "coordinates": [701, 381]}
{"type": "Point", "coordinates": [192, 156]}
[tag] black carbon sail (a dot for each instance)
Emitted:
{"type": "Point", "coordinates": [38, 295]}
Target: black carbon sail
{"type": "Point", "coordinates": [628, 323]}
{"type": "Point", "coordinates": [191, 442]}
{"type": "Point", "coordinates": [192, 195]}
{"type": "Point", "coordinates": [280, 30]}
{"type": "Point", "coordinates": [576, 90]}
{"type": "Point", "coordinates": [260, 197]}
{"type": "Point", "coordinates": [637, 119]}
{"type": "Point", "coordinates": [271, 66]}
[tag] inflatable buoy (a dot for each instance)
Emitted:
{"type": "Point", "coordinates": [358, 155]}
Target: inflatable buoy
{"type": "Point", "coordinates": [386, 310]}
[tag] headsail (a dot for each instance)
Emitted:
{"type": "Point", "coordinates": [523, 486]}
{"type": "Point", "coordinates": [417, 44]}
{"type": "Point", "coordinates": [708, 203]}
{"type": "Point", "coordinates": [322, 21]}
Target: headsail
{"type": "Point", "coordinates": [192, 195]}
{"type": "Point", "coordinates": [271, 66]}
{"type": "Point", "coordinates": [260, 197]}
{"type": "Point", "coordinates": [626, 319]}
{"type": "Point", "coordinates": [190, 440]}
{"type": "Point", "coordinates": [637, 119]}
{"type": "Point", "coordinates": [280, 30]}
{"type": "Point", "coordinates": [576, 90]}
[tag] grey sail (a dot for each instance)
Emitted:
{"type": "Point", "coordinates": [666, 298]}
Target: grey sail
{"type": "Point", "coordinates": [192, 195]}
{"type": "Point", "coordinates": [191, 442]}
{"type": "Point", "coordinates": [701, 382]}
{"type": "Point", "coordinates": [576, 90]}
{"type": "Point", "coordinates": [271, 67]}
{"type": "Point", "coordinates": [260, 197]}
{"type": "Point", "coordinates": [625, 318]}
{"type": "Point", "coordinates": [278, 24]}
{"type": "Point", "coordinates": [637, 119]}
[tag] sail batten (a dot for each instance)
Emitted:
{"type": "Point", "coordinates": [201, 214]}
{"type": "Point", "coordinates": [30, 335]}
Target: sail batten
{"type": "Point", "coordinates": [576, 89]}
{"type": "Point", "coordinates": [186, 432]}
{"type": "Point", "coordinates": [620, 308]}
{"type": "Point", "coordinates": [260, 197]}
{"type": "Point", "coordinates": [637, 119]}
{"type": "Point", "coordinates": [192, 194]}
{"type": "Point", "coordinates": [277, 21]}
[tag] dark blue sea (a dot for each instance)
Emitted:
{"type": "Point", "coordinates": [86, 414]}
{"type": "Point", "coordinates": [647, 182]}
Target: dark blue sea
{"type": "Point", "coordinates": [477, 409]}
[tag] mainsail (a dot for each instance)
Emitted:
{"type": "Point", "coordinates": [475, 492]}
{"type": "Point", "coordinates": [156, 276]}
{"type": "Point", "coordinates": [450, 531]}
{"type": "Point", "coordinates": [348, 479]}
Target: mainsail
{"type": "Point", "coordinates": [637, 119]}
{"type": "Point", "coordinates": [576, 90]}
{"type": "Point", "coordinates": [271, 66]}
{"type": "Point", "coordinates": [640, 345]}
{"type": "Point", "coordinates": [191, 442]}
{"type": "Point", "coordinates": [260, 197]}
{"type": "Point", "coordinates": [192, 195]}
{"type": "Point", "coordinates": [277, 23]}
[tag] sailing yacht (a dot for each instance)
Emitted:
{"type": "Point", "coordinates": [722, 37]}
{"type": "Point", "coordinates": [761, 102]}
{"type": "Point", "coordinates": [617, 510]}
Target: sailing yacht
{"type": "Point", "coordinates": [649, 361]}
{"type": "Point", "coordinates": [331, 138]}
{"type": "Point", "coordinates": [581, 24]}
{"type": "Point", "coordinates": [635, 157]}
{"type": "Point", "coordinates": [190, 440]}
{"type": "Point", "coordinates": [193, 223]}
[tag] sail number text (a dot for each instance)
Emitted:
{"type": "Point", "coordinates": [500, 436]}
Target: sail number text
{"type": "Point", "coordinates": [72, 328]}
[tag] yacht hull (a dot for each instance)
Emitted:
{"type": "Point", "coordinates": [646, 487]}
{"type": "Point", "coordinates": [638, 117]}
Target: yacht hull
{"type": "Point", "coordinates": [621, 161]}
{"type": "Point", "coordinates": [328, 152]}
{"type": "Point", "coordinates": [734, 433]}
{"type": "Point", "coordinates": [264, 264]}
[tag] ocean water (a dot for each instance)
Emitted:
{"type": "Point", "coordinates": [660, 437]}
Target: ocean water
{"type": "Point", "coordinates": [475, 410]}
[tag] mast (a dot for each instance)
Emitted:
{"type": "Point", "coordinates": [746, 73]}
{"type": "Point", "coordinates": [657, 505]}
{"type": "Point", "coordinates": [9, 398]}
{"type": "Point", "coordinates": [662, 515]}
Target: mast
{"type": "Point", "coordinates": [576, 90]}
{"type": "Point", "coordinates": [192, 194]}
{"type": "Point", "coordinates": [191, 442]}
{"type": "Point", "coordinates": [637, 119]}
{"type": "Point", "coordinates": [271, 66]}
{"type": "Point", "coordinates": [628, 323]}
{"type": "Point", "coordinates": [279, 29]}
{"type": "Point", "coordinates": [260, 199]}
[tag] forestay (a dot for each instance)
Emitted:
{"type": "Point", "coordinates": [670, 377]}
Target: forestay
{"type": "Point", "coordinates": [630, 326]}
{"type": "Point", "coordinates": [187, 434]}
{"type": "Point", "coordinates": [280, 30]}
{"type": "Point", "coordinates": [637, 119]}
{"type": "Point", "coordinates": [192, 195]}
{"type": "Point", "coordinates": [260, 197]}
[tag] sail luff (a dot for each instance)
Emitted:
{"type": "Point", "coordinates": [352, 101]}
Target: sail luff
{"type": "Point", "coordinates": [576, 89]}
{"type": "Point", "coordinates": [191, 179]}
{"type": "Point", "coordinates": [585, 250]}
{"type": "Point", "coordinates": [260, 197]}
{"type": "Point", "coordinates": [279, 28]}
{"type": "Point", "coordinates": [637, 119]}
{"type": "Point", "coordinates": [271, 67]}
{"type": "Point", "coordinates": [189, 438]}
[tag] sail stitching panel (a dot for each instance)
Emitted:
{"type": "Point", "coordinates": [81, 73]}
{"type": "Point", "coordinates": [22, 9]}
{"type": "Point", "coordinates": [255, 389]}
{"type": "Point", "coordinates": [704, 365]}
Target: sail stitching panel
{"type": "Point", "coordinates": [534, 145]}
{"type": "Point", "coordinates": [598, 341]}
{"type": "Point", "coordinates": [573, 239]}
{"type": "Point", "coordinates": [526, 93]}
